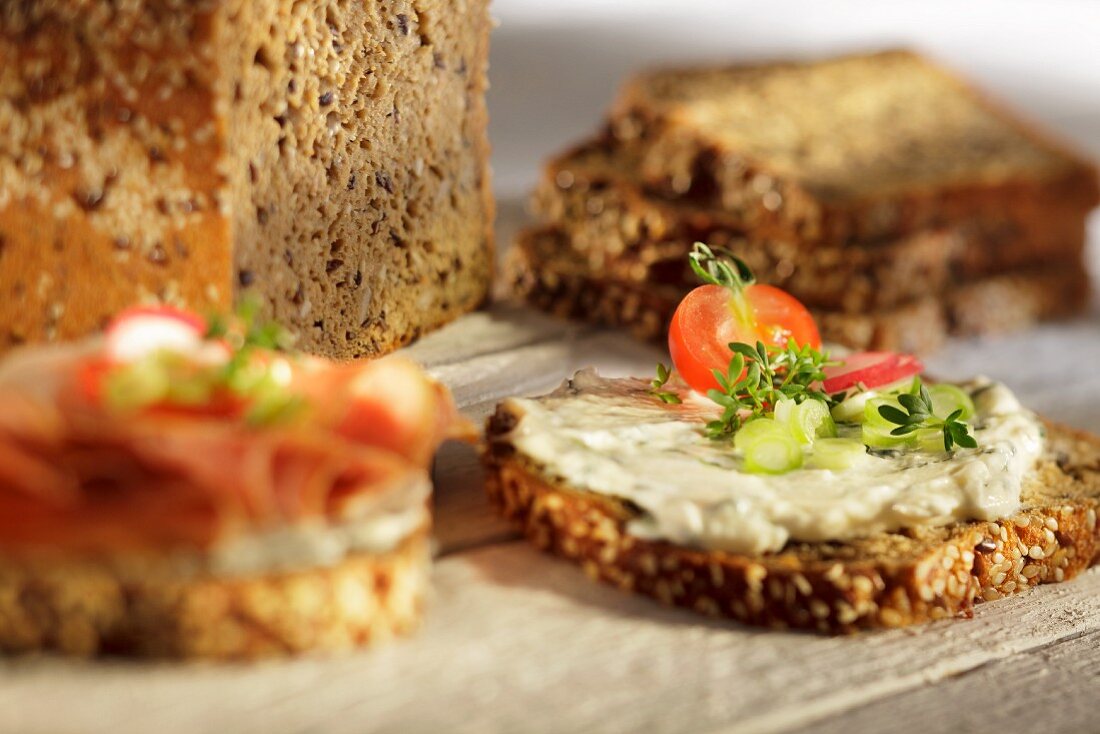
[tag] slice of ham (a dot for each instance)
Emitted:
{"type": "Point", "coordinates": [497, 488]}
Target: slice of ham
{"type": "Point", "coordinates": [76, 476]}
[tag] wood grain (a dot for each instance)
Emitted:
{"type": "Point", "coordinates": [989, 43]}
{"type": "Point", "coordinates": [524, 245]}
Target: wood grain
{"type": "Point", "coordinates": [517, 641]}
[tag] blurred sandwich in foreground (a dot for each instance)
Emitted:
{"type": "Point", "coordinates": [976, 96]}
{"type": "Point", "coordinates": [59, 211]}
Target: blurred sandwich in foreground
{"type": "Point", "coordinates": [185, 488]}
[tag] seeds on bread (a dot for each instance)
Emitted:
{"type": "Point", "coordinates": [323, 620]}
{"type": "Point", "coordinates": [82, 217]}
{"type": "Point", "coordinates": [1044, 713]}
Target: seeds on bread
{"type": "Point", "coordinates": [332, 160]}
{"type": "Point", "coordinates": [591, 197]}
{"type": "Point", "coordinates": [551, 278]}
{"type": "Point", "coordinates": [888, 580]}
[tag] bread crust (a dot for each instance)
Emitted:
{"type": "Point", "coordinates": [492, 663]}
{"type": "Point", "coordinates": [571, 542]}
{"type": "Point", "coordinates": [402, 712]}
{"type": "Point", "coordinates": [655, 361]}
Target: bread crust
{"type": "Point", "coordinates": [892, 580]}
{"type": "Point", "coordinates": [590, 198]}
{"type": "Point", "coordinates": [145, 606]}
{"type": "Point", "coordinates": [564, 285]}
{"type": "Point", "coordinates": [328, 159]}
{"type": "Point", "coordinates": [682, 159]}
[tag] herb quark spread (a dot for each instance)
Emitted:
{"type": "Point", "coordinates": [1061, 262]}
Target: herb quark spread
{"type": "Point", "coordinates": [611, 437]}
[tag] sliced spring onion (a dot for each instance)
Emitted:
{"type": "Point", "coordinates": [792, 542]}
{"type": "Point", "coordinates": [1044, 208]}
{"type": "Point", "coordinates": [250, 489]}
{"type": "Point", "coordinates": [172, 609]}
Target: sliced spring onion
{"type": "Point", "coordinates": [755, 430]}
{"type": "Point", "coordinates": [946, 399]}
{"type": "Point", "coordinates": [874, 419]}
{"type": "Point", "coordinates": [930, 440]}
{"type": "Point", "coordinates": [850, 410]}
{"type": "Point", "coordinates": [773, 454]}
{"type": "Point", "coordinates": [879, 437]}
{"type": "Point", "coordinates": [784, 409]}
{"type": "Point", "coordinates": [136, 385]}
{"type": "Point", "coordinates": [837, 453]}
{"type": "Point", "coordinates": [810, 420]}
{"type": "Point", "coordinates": [895, 388]}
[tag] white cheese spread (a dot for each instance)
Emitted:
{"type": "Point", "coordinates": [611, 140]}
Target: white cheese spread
{"type": "Point", "coordinates": [376, 526]}
{"type": "Point", "coordinates": [613, 438]}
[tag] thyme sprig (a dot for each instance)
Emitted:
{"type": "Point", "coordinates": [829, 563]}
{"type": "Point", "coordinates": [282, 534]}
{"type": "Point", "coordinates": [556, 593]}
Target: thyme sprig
{"type": "Point", "coordinates": [760, 376]}
{"type": "Point", "coordinates": [656, 385]}
{"type": "Point", "coordinates": [918, 415]}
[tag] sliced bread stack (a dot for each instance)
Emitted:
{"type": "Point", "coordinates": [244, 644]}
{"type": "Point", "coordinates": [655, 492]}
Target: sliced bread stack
{"type": "Point", "coordinates": [895, 201]}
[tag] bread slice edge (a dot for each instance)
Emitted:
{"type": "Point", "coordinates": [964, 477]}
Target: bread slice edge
{"type": "Point", "coordinates": [88, 606]}
{"type": "Point", "coordinates": [975, 562]}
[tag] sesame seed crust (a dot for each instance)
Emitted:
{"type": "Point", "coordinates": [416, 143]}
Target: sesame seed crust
{"type": "Point", "coordinates": [889, 580]}
{"type": "Point", "coordinates": [137, 605]}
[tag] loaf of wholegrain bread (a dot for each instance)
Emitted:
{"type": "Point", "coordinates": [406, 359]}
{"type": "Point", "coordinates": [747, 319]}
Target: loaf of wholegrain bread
{"type": "Point", "coordinates": [329, 157]}
{"type": "Point", "coordinates": [545, 273]}
{"type": "Point", "coordinates": [888, 579]}
{"type": "Point", "coordinates": [851, 148]}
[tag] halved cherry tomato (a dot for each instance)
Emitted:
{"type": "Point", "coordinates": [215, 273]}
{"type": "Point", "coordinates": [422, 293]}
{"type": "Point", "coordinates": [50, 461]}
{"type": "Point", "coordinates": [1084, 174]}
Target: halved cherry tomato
{"type": "Point", "coordinates": [708, 319]}
{"type": "Point", "coordinates": [871, 370]}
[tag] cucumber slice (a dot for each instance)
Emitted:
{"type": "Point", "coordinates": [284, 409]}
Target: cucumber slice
{"type": "Point", "coordinates": [946, 399]}
{"type": "Point", "coordinates": [755, 430]}
{"type": "Point", "coordinates": [775, 453]}
{"type": "Point", "coordinates": [850, 410]}
{"type": "Point", "coordinates": [837, 453]}
{"type": "Point", "coordinates": [811, 420]}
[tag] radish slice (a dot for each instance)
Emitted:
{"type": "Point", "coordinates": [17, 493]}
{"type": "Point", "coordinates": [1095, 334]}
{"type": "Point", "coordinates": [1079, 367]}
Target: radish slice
{"type": "Point", "coordinates": [137, 332]}
{"type": "Point", "coordinates": [870, 369]}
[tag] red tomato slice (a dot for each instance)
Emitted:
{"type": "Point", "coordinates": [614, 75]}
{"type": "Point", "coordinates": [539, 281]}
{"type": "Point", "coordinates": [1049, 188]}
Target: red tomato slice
{"type": "Point", "coordinates": [870, 369]}
{"type": "Point", "coordinates": [706, 322]}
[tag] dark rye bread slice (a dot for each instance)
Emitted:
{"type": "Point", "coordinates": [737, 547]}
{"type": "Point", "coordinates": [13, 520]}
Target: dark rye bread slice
{"type": "Point", "coordinates": [146, 606]}
{"type": "Point", "coordinates": [845, 279]}
{"type": "Point", "coordinates": [888, 580]}
{"type": "Point", "coordinates": [844, 149]}
{"type": "Point", "coordinates": [328, 158]}
{"type": "Point", "coordinates": [592, 194]}
{"type": "Point", "coordinates": [547, 275]}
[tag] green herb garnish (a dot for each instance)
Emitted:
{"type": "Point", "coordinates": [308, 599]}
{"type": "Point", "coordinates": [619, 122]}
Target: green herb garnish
{"type": "Point", "coordinates": [655, 385]}
{"type": "Point", "coordinates": [919, 415]}
{"type": "Point", "coordinates": [727, 270]}
{"type": "Point", "coordinates": [759, 377]}
{"type": "Point", "coordinates": [167, 377]}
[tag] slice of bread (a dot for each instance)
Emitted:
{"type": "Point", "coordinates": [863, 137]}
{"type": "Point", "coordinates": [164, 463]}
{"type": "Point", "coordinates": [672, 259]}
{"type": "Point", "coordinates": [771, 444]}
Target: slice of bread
{"type": "Point", "coordinates": [845, 149]}
{"type": "Point", "coordinates": [887, 580]}
{"type": "Point", "coordinates": [591, 195]}
{"type": "Point", "coordinates": [547, 275]}
{"type": "Point", "coordinates": [149, 605]}
{"type": "Point", "coordinates": [330, 158]}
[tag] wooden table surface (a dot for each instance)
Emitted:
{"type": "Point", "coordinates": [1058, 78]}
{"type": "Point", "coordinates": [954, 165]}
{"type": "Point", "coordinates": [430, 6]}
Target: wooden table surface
{"type": "Point", "coordinates": [515, 641]}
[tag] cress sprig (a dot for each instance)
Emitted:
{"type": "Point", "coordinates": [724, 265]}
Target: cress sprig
{"type": "Point", "coordinates": [656, 385]}
{"type": "Point", "coordinates": [918, 414]}
{"type": "Point", "coordinates": [759, 377]}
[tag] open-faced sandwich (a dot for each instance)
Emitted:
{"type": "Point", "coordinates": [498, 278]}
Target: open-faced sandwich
{"type": "Point", "coordinates": [770, 482]}
{"type": "Point", "coordinates": [186, 487]}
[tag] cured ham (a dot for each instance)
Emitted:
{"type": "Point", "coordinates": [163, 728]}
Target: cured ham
{"type": "Point", "coordinates": [80, 473]}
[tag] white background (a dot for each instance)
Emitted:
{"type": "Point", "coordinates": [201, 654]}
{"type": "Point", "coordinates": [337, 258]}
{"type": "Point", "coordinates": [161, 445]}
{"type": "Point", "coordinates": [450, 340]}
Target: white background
{"type": "Point", "coordinates": [556, 63]}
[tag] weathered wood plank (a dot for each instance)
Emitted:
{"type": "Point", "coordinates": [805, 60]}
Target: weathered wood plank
{"type": "Point", "coordinates": [1057, 683]}
{"type": "Point", "coordinates": [517, 641]}
{"type": "Point", "coordinates": [501, 327]}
